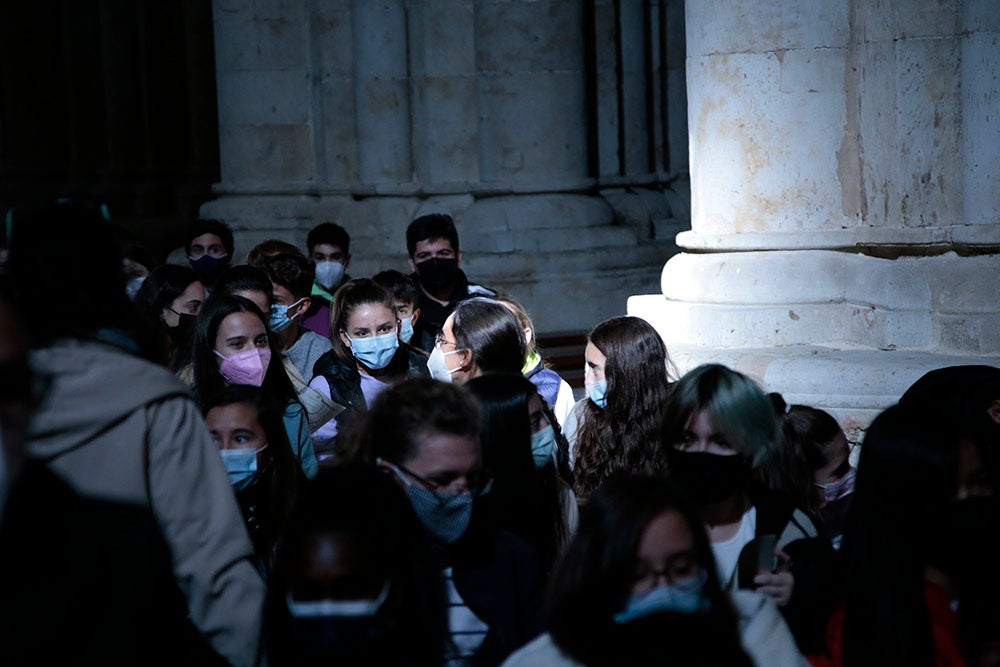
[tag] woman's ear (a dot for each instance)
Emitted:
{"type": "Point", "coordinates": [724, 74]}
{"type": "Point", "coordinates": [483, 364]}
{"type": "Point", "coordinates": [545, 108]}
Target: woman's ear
{"type": "Point", "coordinates": [344, 338]}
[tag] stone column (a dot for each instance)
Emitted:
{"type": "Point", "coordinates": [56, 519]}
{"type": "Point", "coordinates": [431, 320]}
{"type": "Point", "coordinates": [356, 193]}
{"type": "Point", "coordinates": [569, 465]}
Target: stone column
{"type": "Point", "coordinates": [371, 112]}
{"type": "Point", "coordinates": [845, 192]}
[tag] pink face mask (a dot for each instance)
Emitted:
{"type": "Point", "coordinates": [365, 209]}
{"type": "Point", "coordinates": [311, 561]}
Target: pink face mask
{"type": "Point", "coordinates": [247, 367]}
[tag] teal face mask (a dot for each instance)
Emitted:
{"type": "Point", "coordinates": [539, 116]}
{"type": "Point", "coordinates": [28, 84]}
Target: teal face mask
{"type": "Point", "coordinates": [543, 444]}
{"type": "Point", "coordinates": [279, 316]}
{"type": "Point", "coordinates": [598, 393]}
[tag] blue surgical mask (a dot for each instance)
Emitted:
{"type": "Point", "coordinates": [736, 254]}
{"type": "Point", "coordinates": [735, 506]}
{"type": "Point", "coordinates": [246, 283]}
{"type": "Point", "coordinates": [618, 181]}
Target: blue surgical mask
{"type": "Point", "coordinates": [241, 464]}
{"type": "Point", "coordinates": [598, 393]}
{"type": "Point", "coordinates": [543, 444]}
{"type": "Point", "coordinates": [406, 329]}
{"type": "Point", "coordinates": [375, 352]}
{"type": "Point", "coordinates": [446, 516]}
{"type": "Point", "coordinates": [279, 316]}
{"type": "Point", "coordinates": [683, 597]}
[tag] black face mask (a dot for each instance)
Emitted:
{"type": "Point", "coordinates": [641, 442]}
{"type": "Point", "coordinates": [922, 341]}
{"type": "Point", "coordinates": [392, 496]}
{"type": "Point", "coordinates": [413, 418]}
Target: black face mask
{"type": "Point", "coordinates": [183, 331]}
{"type": "Point", "coordinates": [437, 272]}
{"type": "Point", "coordinates": [208, 267]}
{"type": "Point", "coordinates": [710, 478]}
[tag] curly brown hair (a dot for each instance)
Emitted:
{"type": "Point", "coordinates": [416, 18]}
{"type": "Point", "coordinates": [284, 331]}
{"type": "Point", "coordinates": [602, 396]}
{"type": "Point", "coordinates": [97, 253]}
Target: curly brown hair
{"type": "Point", "coordinates": [624, 436]}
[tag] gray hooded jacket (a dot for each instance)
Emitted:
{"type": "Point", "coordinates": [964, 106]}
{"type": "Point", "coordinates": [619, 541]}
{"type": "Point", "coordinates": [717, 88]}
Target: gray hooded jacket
{"type": "Point", "coordinates": [119, 428]}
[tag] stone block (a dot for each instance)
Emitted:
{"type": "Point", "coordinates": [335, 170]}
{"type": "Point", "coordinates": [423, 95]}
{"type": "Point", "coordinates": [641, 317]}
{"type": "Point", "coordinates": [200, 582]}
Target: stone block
{"type": "Point", "coordinates": [275, 97]}
{"type": "Point", "coordinates": [444, 41]}
{"type": "Point", "coordinates": [337, 131]}
{"type": "Point", "coordinates": [383, 131]}
{"type": "Point", "coordinates": [980, 129]}
{"type": "Point", "coordinates": [332, 41]}
{"type": "Point", "coordinates": [261, 37]}
{"type": "Point", "coordinates": [445, 129]}
{"type": "Point", "coordinates": [276, 155]}
{"type": "Point", "coordinates": [380, 48]}
{"type": "Point", "coordinates": [529, 36]}
{"type": "Point", "coordinates": [553, 143]}
{"type": "Point", "coordinates": [743, 143]}
{"type": "Point", "coordinates": [981, 16]}
{"type": "Point", "coordinates": [733, 26]}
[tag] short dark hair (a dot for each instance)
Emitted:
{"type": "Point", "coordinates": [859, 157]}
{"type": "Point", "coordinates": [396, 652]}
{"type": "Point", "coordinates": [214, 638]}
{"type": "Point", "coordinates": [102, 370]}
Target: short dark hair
{"type": "Point", "coordinates": [405, 413]}
{"type": "Point", "coordinates": [243, 278]}
{"type": "Point", "coordinates": [329, 232]}
{"type": "Point", "coordinates": [209, 226]}
{"type": "Point", "coordinates": [293, 272]}
{"type": "Point", "coordinates": [432, 226]}
{"type": "Point", "coordinates": [489, 330]}
{"type": "Point", "coordinates": [399, 284]}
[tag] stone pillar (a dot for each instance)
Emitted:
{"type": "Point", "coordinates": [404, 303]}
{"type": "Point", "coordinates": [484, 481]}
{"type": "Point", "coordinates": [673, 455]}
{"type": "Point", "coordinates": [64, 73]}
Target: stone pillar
{"type": "Point", "coordinates": [371, 112]}
{"type": "Point", "coordinates": [845, 189]}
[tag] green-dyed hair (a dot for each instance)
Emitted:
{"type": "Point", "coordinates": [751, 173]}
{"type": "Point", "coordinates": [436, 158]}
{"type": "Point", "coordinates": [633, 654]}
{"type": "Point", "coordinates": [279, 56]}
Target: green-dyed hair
{"type": "Point", "coordinates": [737, 406]}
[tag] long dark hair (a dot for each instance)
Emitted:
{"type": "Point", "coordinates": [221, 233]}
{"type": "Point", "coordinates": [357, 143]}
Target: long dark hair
{"type": "Point", "coordinates": [594, 578]}
{"type": "Point", "coordinates": [283, 478]}
{"type": "Point", "coordinates": [525, 501]}
{"type": "Point", "coordinates": [624, 436]}
{"type": "Point", "coordinates": [805, 434]}
{"type": "Point", "coordinates": [208, 380]}
{"type": "Point", "coordinates": [907, 474]}
{"type": "Point", "coordinates": [362, 504]}
{"type": "Point", "coordinates": [491, 333]}
{"type": "Point", "coordinates": [161, 288]}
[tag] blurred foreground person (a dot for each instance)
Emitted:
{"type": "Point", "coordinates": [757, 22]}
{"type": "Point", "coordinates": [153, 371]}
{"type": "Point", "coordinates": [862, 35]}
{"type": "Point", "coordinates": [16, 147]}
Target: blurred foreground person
{"type": "Point", "coordinates": [354, 583]}
{"type": "Point", "coordinates": [116, 427]}
{"type": "Point", "coordinates": [638, 586]}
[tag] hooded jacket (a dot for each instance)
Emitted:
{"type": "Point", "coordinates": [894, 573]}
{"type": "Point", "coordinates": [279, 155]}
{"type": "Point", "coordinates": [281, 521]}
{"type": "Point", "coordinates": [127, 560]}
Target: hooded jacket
{"type": "Point", "coordinates": [119, 428]}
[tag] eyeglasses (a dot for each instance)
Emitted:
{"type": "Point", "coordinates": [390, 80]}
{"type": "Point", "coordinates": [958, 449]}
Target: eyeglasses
{"type": "Point", "coordinates": [480, 482]}
{"type": "Point", "coordinates": [678, 568]}
{"type": "Point", "coordinates": [439, 339]}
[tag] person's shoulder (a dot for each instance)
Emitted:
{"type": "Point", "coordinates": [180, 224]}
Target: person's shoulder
{"type": "Point", "coordinates": [541, 651]}
{"type": "Point", "coordinates": [312, 340]}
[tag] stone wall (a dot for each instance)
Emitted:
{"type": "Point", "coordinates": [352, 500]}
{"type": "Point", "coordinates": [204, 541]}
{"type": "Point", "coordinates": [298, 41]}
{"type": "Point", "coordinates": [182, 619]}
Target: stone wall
{"type": "Point", "coordinates": [553, 131]}
{"type": "Point", "coordinates": [844, 196]}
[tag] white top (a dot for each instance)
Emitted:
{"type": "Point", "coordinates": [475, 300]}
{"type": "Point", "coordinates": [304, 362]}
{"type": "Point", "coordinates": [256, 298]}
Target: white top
{"type": "Point", "coordinates": [467, 630]}
{"type": "Point", "coordinates": [727, 553]}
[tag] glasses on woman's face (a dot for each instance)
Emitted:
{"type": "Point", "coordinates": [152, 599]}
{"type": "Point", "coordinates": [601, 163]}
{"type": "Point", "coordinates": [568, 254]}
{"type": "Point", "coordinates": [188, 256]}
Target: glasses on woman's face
{"type": "Point", "coordinates": [679, 567]}
{"type": "Point", "coordinates": [478, 483]}
{"type": "Point", "coordinates": [439, 339]}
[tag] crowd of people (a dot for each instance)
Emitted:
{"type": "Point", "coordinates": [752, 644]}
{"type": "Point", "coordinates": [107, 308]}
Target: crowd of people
{"type": "Point", "coordinates": [269, 462]}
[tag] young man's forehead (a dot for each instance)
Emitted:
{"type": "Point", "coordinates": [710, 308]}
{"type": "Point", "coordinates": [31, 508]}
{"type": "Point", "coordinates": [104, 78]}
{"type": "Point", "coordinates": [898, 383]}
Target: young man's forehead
{"type": "Point", "coordinates": [433, 243]}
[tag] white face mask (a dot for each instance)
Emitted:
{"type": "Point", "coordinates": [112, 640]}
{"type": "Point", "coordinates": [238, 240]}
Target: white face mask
{"type": "Point", "coordinates": [328, 608]}
{"type": "Point", "coordinates": [329, 274]}
{"type": "Point", "coordinates": [437, 367]}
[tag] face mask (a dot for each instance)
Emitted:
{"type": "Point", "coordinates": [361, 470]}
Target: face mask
{"type": "Point", "coordinates": [437, 367]}
{"type": "Point", "coordinates": [329, 274]}
{"type": "Point", "coordinates": [375, 352]}
{"type": "Point", "coordinates": [598, 393]}
{"type": "Point", "coordinates": [208, 267]}
{"type": "Point", "coordinates": [279, 316]}
{"type": "Point", "coordinates": [182, 332]}
{"type": "Point", "coordinates": [333, 608]}
{"type": "Point", "coordinates": [247, 367]}
{"type": "Point", "coordinates": [437, 272]}
{"type": "Point", "coordinates": [132, 286]}
{"type": "Point", "coordinates": [406, 329]}
{"type": "Point", "coordinates": [241, 464]}
{"type": "Point", "coordinates": [683, 597]}
{"type": "Point", "coordinates": [840, 488]}
{"type": "Point", "coordinates": [446, 516]}
{"type": "Point", "coordinates": [710, 478]}
{"type": "Point", "coordinates": [543, 444]}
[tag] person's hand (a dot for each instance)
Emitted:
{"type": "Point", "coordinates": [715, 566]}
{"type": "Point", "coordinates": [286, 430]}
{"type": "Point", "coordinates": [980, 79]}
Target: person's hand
{"type": "Point", "coordinates": [780, 583]}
